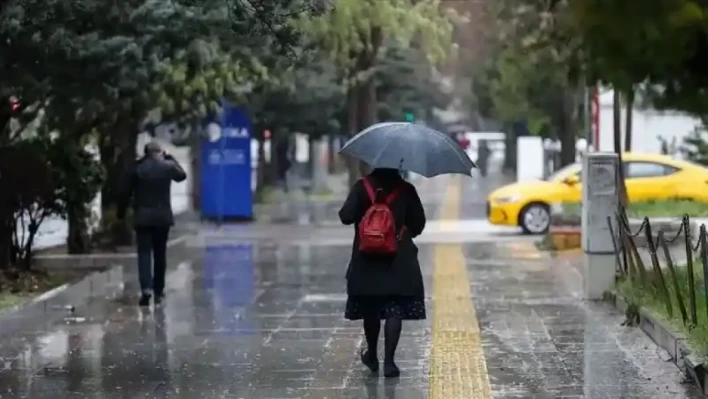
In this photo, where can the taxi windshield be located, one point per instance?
(562, 172)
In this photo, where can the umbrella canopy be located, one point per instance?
(410, 147)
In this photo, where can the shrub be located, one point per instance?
(27, 197)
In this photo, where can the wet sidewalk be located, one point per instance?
(258, 315)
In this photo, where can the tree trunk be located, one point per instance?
(261, 165)
(331, 137)
(78, 241)
(271, 170)
(195, 154)
(510, 142)
(120, 156)
(367, 113)
(5, 243)
(568, 126)
(362, 98)
(617, 134)
(628, 121)
(353, 127)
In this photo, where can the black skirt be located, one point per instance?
(384, 307)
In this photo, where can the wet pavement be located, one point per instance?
(256, 312)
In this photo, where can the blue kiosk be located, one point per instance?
(226, 167)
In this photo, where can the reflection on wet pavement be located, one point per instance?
(541, 341)
(262, 319)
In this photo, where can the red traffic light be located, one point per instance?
(14, 104)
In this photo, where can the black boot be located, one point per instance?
(392, 333)
(369, 361)
(145, 298)
(391, 370)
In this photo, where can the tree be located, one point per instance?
(695, 146)
(77, 174)
(25, 203)
(535, 74)
(405, 83)
(656, 46)
(352, 34)
(128, 46)
(304, 97)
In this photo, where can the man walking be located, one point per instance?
(149, 184)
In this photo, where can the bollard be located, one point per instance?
(600, 190)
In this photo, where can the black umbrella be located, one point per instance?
(409, 147)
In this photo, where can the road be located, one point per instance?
(256, 311)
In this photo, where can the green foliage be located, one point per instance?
(189, 88)
(695, 146)
(534, 69)
(668, 208)
(353, 29)
(649, 298)
(77, 173)
(405, 85)
(27, 195)
(662, 45)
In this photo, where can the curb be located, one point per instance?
(52, 305)
(95, 261)
(563, 238)
(675, 343)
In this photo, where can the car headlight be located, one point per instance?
(507, 199)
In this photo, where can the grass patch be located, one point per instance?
(675, 208)
(272, 195)
(322, 194)
(571, 208)
(8, 300)
(652, 209)
(267, 195)
(648, 297)
(17, 287)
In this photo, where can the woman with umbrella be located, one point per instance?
(384, 280)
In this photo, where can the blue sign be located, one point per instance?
(229, 275)
(226, 167)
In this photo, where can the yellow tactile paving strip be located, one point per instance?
(458, 369)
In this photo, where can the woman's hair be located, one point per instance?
(387, 174)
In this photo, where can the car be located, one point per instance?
(647, 177)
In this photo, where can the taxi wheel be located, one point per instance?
(535, 218)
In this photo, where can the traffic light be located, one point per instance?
(14, 104)
(410, 117)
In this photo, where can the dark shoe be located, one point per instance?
(391, 370)
(159, 299)
(144, 300)
(145, 296)
(371, 362)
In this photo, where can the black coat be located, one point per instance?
(378, 275)
(149, 184)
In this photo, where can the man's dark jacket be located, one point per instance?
(149, 184)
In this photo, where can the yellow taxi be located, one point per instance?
(647, 177)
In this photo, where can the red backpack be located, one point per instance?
(377, 229)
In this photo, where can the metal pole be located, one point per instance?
(221, 173)
(596, 117)
(588, 119)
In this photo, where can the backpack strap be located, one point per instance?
(371, 192)
(395, 193)
(369, 189)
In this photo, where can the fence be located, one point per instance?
(677, 288)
